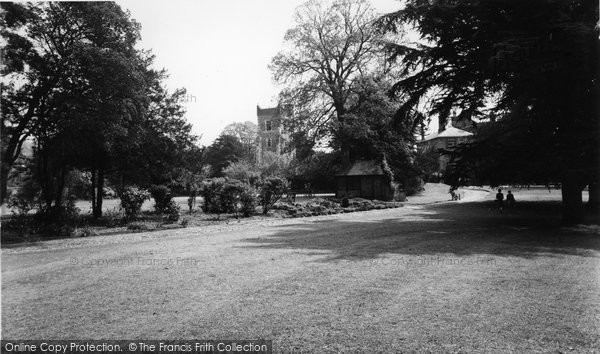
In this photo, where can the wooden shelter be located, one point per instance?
(364, 179)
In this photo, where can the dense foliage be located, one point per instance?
(331, 45)
(132, 199)
(162, 196)
(271, 190)
(528, 67)
(224, 195)
(225, 150)
(76, 86)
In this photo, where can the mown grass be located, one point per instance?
(448, 277)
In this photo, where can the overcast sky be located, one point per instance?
(219, 51)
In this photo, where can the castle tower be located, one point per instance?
(270, 131)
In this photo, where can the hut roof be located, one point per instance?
(363, 168)
(450, 132)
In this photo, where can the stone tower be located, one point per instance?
(270, 131)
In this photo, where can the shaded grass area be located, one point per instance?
(460, 229)
(442, 278)
(461, 277)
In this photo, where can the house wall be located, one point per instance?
(447, 143)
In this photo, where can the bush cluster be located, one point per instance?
(224, 195)
(320, 206)
(172, 210)
(132, 199)
(162, 196)
(271, 190)
(164, 203)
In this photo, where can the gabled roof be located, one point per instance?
(363, 168)
(450, 132)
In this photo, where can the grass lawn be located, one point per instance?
(450, 277)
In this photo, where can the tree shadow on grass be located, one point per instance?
(476, 228)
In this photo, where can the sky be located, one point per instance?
(219, 51)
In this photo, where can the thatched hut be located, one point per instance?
(364, 179)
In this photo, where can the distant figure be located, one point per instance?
(510, 200)
(309, 191)
(453, 194)
(500, 199)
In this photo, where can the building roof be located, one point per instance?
(363, 168)
(267, 111)
(450, 132)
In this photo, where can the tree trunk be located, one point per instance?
(45, 179)
(93, 189)
(97, 211)
(17, 134)
(4, 181)
(572, 201)
(60, 188)
(594, 194)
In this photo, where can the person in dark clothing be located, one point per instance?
(510, 200)
(500, 199)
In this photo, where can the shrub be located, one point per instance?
(238, 197)
(248, 201)
(136, 226)
(271, 190)
(162, 198)
(185, 222)
(84, 232)
(172, 210)
(58, 220)
(211, 191)
(230, 195)
(113, 217)
(413, 185)
(243, 171)
(132, 199)
(223, 195)
(20, 221)
(19, 205)
(345, 202)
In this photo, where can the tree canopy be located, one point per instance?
(530, 67)
(74, 81)
(331, 45)
(247, 133)
(225, 150)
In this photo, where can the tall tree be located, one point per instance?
(530, 66)
(247, 133)
(45, 44)
(370, 131)
(331, 45)
(222, 152)
(105, 110)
